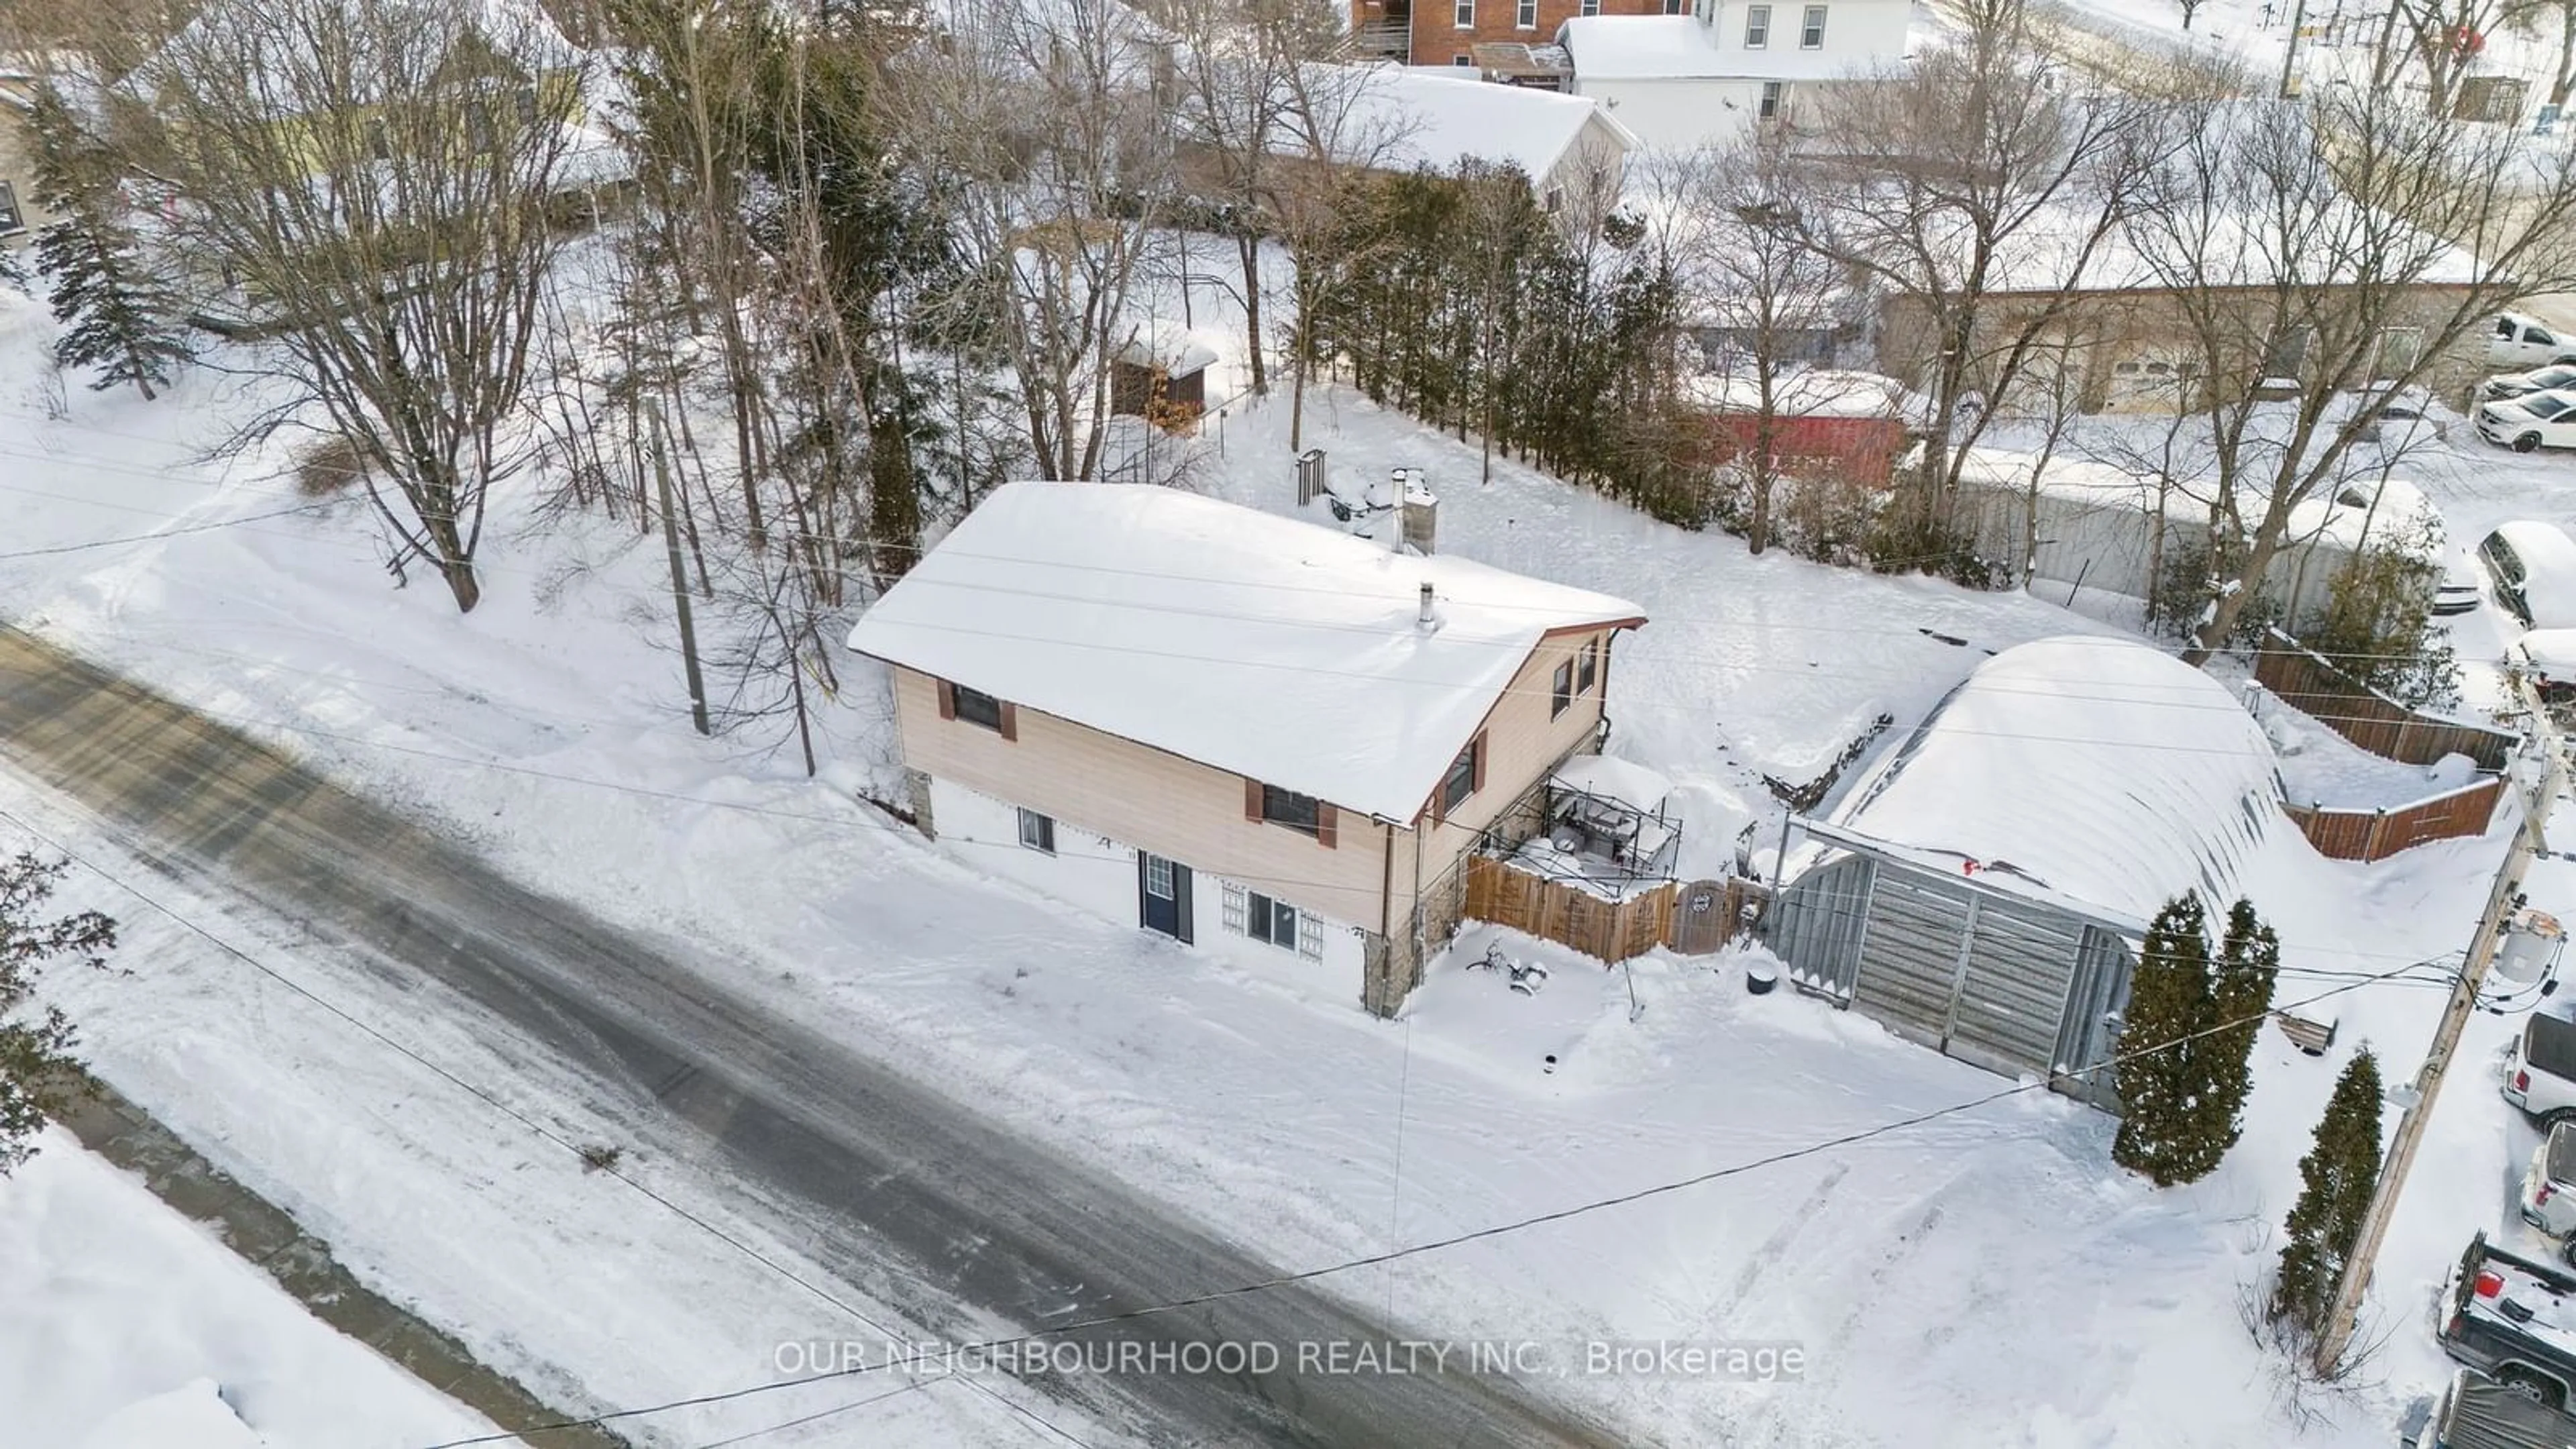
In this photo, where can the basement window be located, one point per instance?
(1037, 832)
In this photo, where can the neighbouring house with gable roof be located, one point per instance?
(1232, 728)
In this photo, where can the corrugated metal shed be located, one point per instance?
(1983, 889)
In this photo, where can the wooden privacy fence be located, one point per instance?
(2308, 683)
(1559, 911)
(2378, 834)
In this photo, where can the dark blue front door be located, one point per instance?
(1163, 890)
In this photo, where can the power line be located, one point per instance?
(747, 808)
(1406, 602)
(1497, 1230)
(803, 1420)
(210, 527)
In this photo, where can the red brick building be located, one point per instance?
(1439, 32)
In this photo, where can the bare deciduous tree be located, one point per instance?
(376, 178)
(2321, 260)
(1048, 115)
(1979, 173)
(1765, 293)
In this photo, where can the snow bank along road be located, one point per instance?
(936, 1212)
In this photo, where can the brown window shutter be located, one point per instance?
(1476, 781)
(1010, 721)
(947, 700)
(1326, 823)
(1252, 799)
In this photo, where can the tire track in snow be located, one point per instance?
(1775, 1247)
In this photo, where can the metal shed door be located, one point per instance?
(1909, 961)
(2012, 997)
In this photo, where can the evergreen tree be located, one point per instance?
(116, 317)
(2249, 962)
(2336, 1178)
(38, 1073)
(2161, 1089)
(13, 273)
(2189, 1042)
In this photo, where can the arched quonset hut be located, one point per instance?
(1984, 886)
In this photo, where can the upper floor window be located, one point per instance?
(1466, 14)
(1811, 36)
(976, 707)
(1591, 7)
(1757, 26)
(1591, 667)
(1270, 805)
(1466, 775)
(1287, 807)
(1526, 15)
(1560, 692)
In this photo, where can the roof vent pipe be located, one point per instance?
(1424, 616)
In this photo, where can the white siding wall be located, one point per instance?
(1087, 870)
(1097, 874)
(1675, 115)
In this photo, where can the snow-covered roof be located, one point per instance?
(1177, 357)
(2097, 772)
(1258, 644)
(1805, 392)
(1606, 777)
(1437, 121)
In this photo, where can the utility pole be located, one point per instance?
(2502, 902)
(679, 582)
(2290, 52)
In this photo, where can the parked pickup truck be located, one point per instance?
(2476, 1412)
(2512, 1319)
(2540, 1071)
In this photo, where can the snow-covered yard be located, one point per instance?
(1986, 1278)
(125, 1326)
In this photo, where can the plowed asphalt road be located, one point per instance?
(911, 1197)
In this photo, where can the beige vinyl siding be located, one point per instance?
(1142, 796)
(1522, 745)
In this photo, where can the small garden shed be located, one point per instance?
(1165, 385)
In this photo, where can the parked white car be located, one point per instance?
(2520, 341)
(2539, 379)
(2532, 567)
(2534, 420)
(2549, 1184)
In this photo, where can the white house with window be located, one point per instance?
(1235, 730)
(1707, 76)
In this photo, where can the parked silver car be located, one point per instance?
(2539, 379)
